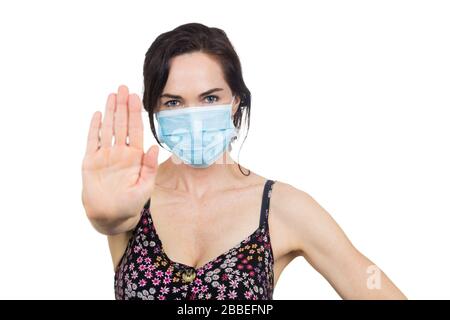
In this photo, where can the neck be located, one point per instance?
(199, 181)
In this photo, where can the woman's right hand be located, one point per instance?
(118, 178)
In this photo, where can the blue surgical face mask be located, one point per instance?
(197, 135)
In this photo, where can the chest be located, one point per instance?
(195, 231)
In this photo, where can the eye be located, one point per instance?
(212, 96)
(171, 103)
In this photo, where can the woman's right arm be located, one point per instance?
(118, 178)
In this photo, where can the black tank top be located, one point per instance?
(243, 272)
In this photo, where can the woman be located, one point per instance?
(197, 226)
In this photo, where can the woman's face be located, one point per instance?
(195, 79)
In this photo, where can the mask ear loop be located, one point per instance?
(232, 100)
(235, 136)
(239, 152)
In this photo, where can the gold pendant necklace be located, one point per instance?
(188, 275)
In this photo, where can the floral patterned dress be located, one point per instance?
(244, 272)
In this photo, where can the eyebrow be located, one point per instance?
(174, 96)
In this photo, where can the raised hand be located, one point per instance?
(118, 178)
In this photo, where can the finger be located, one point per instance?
(149, 168)
(107, 125)
(121, 116)
(93, 138)
(135, 126)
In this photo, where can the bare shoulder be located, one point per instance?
(300, 216)
(288, 196)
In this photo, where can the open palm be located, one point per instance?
(117, 178)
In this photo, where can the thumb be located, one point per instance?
(149, 168)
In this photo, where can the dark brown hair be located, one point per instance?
(188, 38)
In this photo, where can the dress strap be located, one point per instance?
(265, 204)
(147, 204)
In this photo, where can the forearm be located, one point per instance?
(113, 226)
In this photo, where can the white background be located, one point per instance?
(350, 104)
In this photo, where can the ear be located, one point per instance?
(236, 103)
